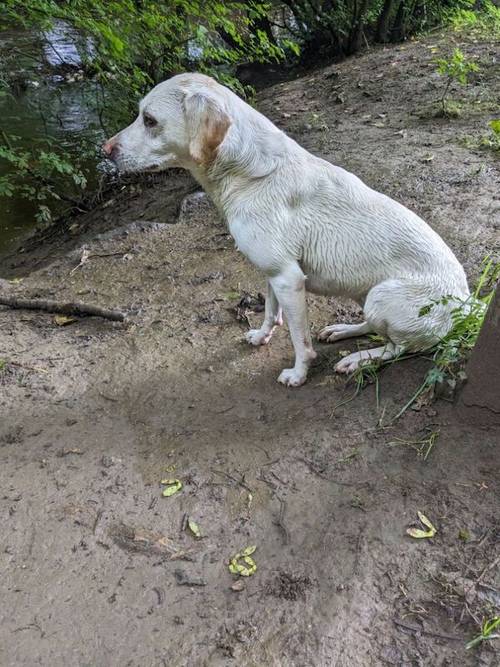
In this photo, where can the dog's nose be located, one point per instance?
(111, 148)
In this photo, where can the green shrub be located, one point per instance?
(457, 69)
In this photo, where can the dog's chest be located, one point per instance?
(256, 243)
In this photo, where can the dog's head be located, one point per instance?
(181, 123)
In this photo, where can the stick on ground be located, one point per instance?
(80, 309)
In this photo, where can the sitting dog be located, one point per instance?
(307, 224)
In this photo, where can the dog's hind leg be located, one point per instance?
(397, 310)
(336, 332)
(272, 317)
(356, 359)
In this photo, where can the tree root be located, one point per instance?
(80, 309)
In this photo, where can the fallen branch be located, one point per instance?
(80, 309)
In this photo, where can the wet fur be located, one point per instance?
(307, 224)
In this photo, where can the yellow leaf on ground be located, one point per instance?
(173, 485)
(64, 320)
(418, 532)
(250, 567)
(194, 528)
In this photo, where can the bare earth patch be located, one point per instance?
(99, 569)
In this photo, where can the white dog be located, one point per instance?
(307, 224)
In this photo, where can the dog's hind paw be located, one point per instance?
(349, 364)
(258, 337)
(291, 377)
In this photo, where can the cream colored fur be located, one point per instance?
(307, 224)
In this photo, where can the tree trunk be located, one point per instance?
(356, 33)
(479, 403)
(399, 28)
(383, 21)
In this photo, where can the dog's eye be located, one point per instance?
(149, 121)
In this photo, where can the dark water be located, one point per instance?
(48, 101)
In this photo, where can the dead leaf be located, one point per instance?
(231, 296)
(83, 259)
(238, 586)
(64, 320)
(418, 533)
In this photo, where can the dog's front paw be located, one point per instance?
(291, 377)
(332, 333)
(257, 337)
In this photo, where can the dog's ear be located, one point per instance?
(207, 125)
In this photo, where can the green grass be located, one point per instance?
(477, 24)
(487, 630)
(363, 376)
(489, 141)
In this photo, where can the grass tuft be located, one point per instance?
(487, 630)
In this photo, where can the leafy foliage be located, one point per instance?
(487, 632)
(467, 317)
(476, 22)
(127, 46)
(456, 68)
(342, 27)
(40, 175)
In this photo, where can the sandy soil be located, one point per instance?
(99, 569)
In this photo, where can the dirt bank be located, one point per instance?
(99, 569)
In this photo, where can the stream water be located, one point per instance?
(47, 101)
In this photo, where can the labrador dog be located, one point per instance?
(307, 224)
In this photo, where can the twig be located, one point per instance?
(28, 368)
(487, 568)
(272, 485)
(280, 522)
(321, 474)
(421, 631)
(233, 479)
(160, 593)
(80, 309)
(97, 519)
(480, 543)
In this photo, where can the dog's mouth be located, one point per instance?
(125, 166)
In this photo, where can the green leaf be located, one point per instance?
(173, 486)
(495, 125)
(418, 532)
(249, 551)
(194, 528)
(248, 568)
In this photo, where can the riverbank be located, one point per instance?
(99, 567)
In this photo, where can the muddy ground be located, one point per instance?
(98, 568)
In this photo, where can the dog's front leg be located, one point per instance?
(289, 288)
(272, 318)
